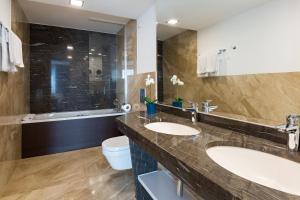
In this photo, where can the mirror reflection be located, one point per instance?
(238, 59)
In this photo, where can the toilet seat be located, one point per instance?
(117, 152)
(116, 144)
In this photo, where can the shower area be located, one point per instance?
(73, 70)
(75, 78)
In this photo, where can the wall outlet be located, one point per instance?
(142, 95)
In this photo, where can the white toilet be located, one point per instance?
(117, 152)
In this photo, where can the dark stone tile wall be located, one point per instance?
(160, 74)
(80, 78)
(142, 163)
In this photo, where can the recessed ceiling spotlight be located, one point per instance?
(92, 50)
(77, 3)
(172, 21)
(70, 47)
(99, 54)
(90, 53)
(69, 57)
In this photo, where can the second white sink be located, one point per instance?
(172, 128)
(263, 168)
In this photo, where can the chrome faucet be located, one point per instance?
(292, 128)
(207, 108)
(195, 110)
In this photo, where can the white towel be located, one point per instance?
(15, 50)
(222, 60)
(1, 44)
(5, 65)
(207, 64)
(202, 63)
(10, 47)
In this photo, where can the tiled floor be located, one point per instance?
(76, 175)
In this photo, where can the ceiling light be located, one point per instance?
(90, 53)
(172, 21)
(99, 54)
(92, 49)
(69, 57)
(77, 3)
(69, 47)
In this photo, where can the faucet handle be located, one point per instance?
(206, 107)
(206, 102)
(212, 108)
(292, 120)
(194, 105)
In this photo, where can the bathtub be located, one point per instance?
(49, 133)
(59, 116)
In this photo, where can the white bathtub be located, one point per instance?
(60, 116)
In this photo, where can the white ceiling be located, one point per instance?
(93, 16)
(122, 8)
(192, 14)
(197, 14)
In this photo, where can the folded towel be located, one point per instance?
(15, 50)
(222, 60)
(207, 64)
(10, 47)
(212, 65)
(202, 63)
(5, 65)
(1, 42)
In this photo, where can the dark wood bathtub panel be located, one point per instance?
(60, 136)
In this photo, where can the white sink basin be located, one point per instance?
(259, 167)
(172, 129)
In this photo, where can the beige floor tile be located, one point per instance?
(83, 174)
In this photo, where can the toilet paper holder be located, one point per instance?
(126, 107)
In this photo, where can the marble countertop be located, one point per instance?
(186, 157)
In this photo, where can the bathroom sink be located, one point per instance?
(172, 128)
(259, 167)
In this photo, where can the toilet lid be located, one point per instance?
(116, 144)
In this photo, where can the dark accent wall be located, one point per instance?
(59, 136)
(142, 163)
(160, 73)
(62, 79)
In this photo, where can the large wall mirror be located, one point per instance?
(242, 55)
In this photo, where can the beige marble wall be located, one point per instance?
(270, 97)
(131, 45)
(14, 101)
(128, 34)
(135, 83)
